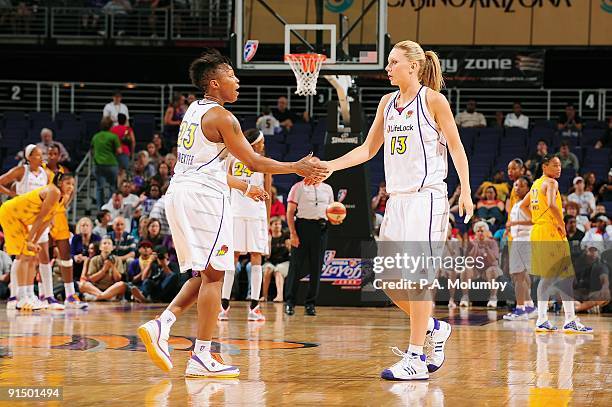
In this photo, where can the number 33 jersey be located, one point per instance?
(243, 207)
(415, 151)
(199, 159)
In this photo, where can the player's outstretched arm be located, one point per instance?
(371, 145)
(227, 127)
(439, 107)
(14, 174)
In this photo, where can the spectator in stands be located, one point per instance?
(162, 177)
(154, 157)
(267, 123)
(112, 109)
(145, 161)
(46, 141)
(283, 114)
(160, 145)
(484, 247)
(106, 147)
(124, 243)
(171, 161)
(568, 159)
(103, 227)
(379, 202)
(126, 192)
(582, 222)
(470, 117)
(605, 191)
(162, 285)
(501, 186)
(83, 236)
(534, 163)
(174, 116)
(154, 234)
(277, 208)
(598, 232)
(498, 120)
(105, 272)
(126, 137)
(491, 209)
(592, 283)
(278, 261)
(148, 199)
(569, 123)
(584, 199)
(117, 207)
(574, 235)
(93, 9)
(590, 182)
(191, 98)
(139, 269)
(517, 118)
(606, 140)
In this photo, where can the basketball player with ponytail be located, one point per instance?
(416, 128)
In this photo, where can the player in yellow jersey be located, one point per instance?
(61, 235)
(24, 219)
(550, 253)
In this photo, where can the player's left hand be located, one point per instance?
(465, 204)
(33, 247)
(317, 181)
(257, 194)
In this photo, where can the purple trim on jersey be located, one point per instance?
(403, 108)
(218, 232)
(434, 129)
(430, 221)
(390, 106)
(217, 156)
(422, 142)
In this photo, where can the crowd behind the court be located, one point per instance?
(129, 236)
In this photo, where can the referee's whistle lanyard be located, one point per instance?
(316, 198)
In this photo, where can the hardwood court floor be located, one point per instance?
(333, 359)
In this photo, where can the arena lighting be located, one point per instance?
(81, 85)
(130, 85)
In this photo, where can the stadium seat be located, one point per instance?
(65, 117)
(595, 124)
(91, 116)
(589, 137)
(16, 115)
(515, 133)
(40, 117)
(550, 124)
(597, 156)
(608, 205)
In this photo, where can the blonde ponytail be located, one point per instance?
(431, 72)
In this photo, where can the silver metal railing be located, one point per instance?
(83, 182)
(23, 22)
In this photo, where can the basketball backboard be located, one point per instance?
(349, 33)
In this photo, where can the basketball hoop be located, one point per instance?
(306, 68)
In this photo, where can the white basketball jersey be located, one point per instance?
(519, 231)
(243, 207)
(30, 181)
(199, 159)
(415, 152)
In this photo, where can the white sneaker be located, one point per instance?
(255, 314)
(532, 312)
(465, 301)
(452, 304)
(576, 327)
(75, 303)
(53, 304)
(29, 304)
(492, 303)
(434, 345)
(156, 343)
(206, 364)
(224, 314)
(517, 315)
(411, 367)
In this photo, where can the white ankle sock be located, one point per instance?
(228, 283)
(570, 312)
(542, 311)
(30, 292)
(415, 349)
(22, 292)
(529, 304)
(256, 278)
(202, 346)
(69, 289)
(45, 287)
(167, 319)
(13, 285)
(521, 307)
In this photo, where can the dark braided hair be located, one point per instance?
(59, 177)
(203, 69)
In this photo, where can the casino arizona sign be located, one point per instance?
(509, 6)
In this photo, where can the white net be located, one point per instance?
(306, 68)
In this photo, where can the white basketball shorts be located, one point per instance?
(44, 237)
(201, 223)
(417, 223)
(520, 255)
(250, 235)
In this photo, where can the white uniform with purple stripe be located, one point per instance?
(197, 202)
(520, 246)
(415, 168)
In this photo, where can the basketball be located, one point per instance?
(336, 212)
